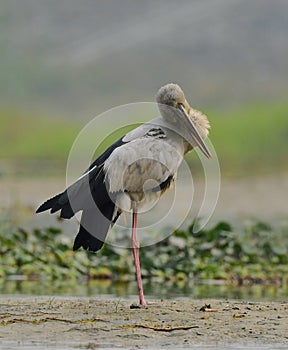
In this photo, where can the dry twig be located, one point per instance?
(165, 329)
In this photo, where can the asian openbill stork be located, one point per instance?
(120, 178)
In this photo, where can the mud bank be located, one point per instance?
(92, 323)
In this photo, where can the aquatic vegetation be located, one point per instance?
(255, 253)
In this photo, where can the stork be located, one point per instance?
(132, 173)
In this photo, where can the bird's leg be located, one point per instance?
(135, 250)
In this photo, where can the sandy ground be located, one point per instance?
(92, 323)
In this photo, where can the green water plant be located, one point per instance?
(254, 253)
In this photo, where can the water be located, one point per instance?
(153, 290)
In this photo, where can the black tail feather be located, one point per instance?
(70, 201)
(51, 203)
(87, 241)
(97, 205)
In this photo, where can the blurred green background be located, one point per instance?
(64, 62)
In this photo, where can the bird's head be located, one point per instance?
(175, 109)
(172, 95)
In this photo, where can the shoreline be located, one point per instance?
(73, 322)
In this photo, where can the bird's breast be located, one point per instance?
(141, 165)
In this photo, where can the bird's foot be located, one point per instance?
(138, 306)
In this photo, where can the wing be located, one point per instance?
(78, 190)
(98, 209)
(61, 200)
(89, 194)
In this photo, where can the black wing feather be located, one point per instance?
(89, 194)
(96, 217)
(105, 155)
(164, 185)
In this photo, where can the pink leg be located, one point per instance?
(135, 250)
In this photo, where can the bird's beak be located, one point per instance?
(193, 136)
